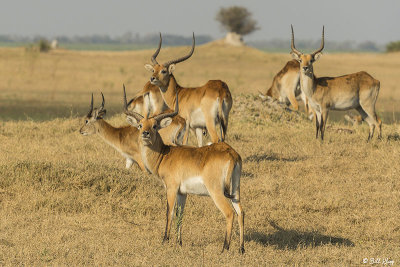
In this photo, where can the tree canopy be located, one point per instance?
(237, 19)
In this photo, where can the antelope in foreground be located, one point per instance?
(212, 170)
(123, 139)
(202, 107)
(286, 86)
(357, 90)
(171, 135)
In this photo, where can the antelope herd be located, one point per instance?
(157, 136)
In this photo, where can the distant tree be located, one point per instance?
(236, 19)
(393, 46)
(44, 45)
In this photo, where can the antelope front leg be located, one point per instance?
(171, 196)
(317, 122)
(186, 135)
(180, 206)
(199, 135)
(293, 102)
(323, 123)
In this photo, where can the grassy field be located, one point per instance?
(67, 199)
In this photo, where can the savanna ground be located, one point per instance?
(67, 199)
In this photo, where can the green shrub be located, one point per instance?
(44, 45)
(393, 46)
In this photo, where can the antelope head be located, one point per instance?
(306, 60)
(93, 115)
(162, 72)
(148, 127)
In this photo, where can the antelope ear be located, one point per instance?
(132, 121)
(101, 113)
(317, 55)
(165, 122)
(295, 56)
(149, 67)
(171, 68)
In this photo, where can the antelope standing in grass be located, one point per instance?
(357, 90)
(171, 135)
(123, 139)
(285, 86)
(202, 107)
(212, 170)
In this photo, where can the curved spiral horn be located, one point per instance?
(102, 104)
(154, 56)
(91, 107)
(322, 43)
(294, 50)
(178, 60)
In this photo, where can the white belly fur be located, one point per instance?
(193, 185)
(197, 119)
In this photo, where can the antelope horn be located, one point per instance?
(102, 104)
(294, 50)
(91, 107)
(166, 115)
(153, 58)
(175, 61)
(322, 43)
(136, 115)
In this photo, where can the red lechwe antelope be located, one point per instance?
(357, 90)
(123, 139)
(212, 170)
(171, 135)
(285, 86)
(202, 107)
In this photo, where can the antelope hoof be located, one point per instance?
(225, 247)
(241, 250)
(165, 239)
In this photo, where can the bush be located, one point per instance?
(393, 46)
(237, 19)
(44, 45)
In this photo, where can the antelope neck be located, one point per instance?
(108, 133)
(307, 82)
(153, 154)
(169, 95)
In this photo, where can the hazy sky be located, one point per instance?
(358, 20)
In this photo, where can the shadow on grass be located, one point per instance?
(272, 157)
(292, 239)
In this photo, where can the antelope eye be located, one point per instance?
(139, 126)
(86, 121)
(163, 71)
(155, 127)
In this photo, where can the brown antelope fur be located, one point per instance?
(285, 86)
(171, 135)
(123, 139)
(212, 170)
(357, 90)
(202, 107)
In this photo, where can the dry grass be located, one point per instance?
(66, 199)
(46, 86)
